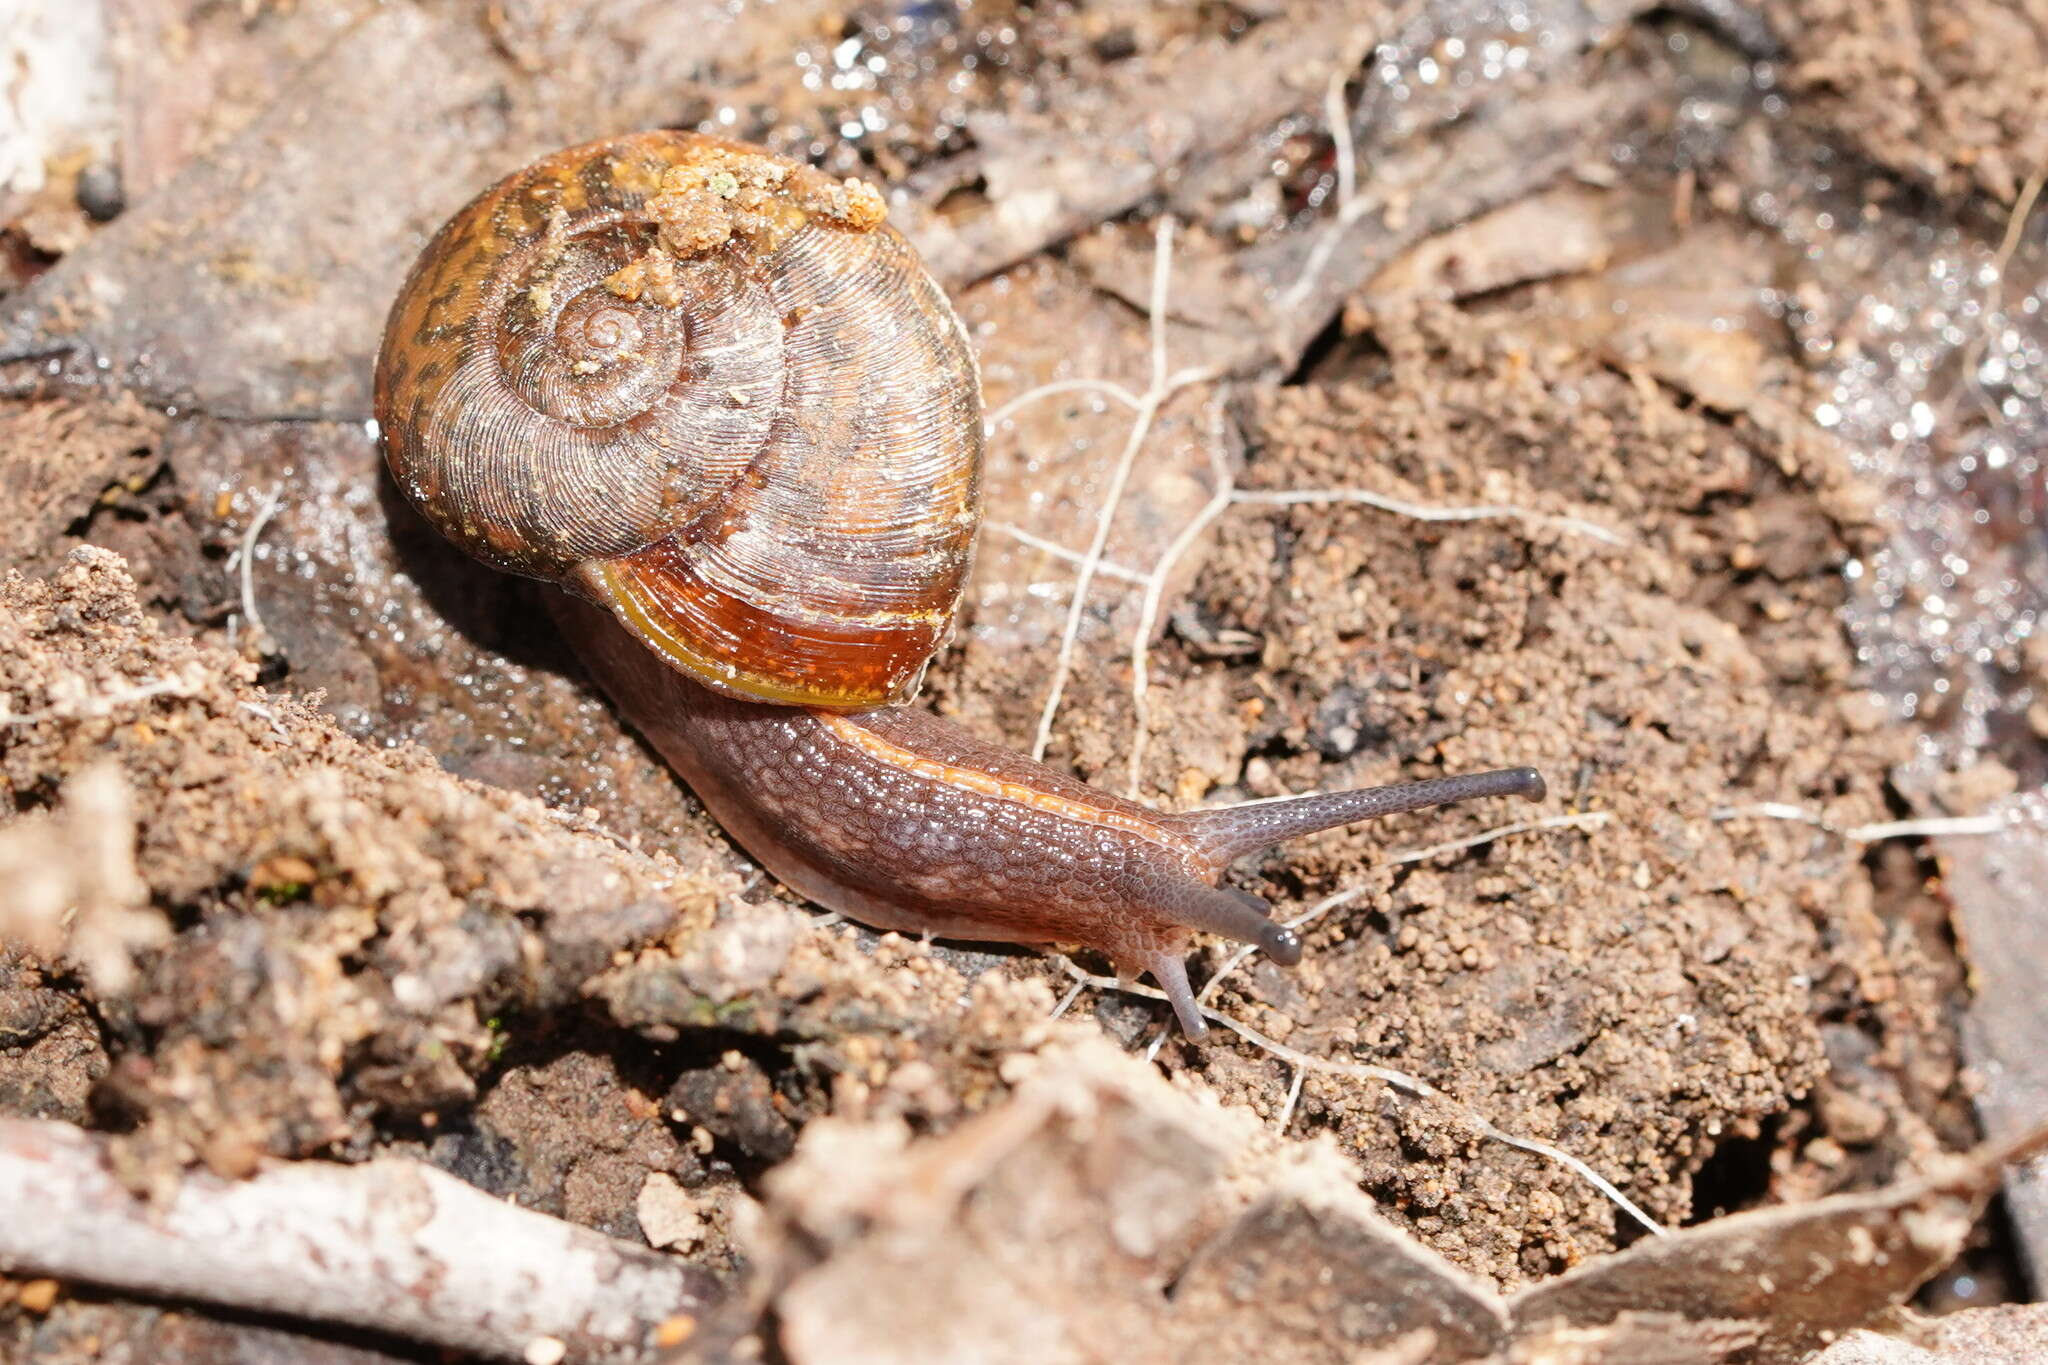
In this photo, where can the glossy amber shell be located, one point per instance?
(708, 388)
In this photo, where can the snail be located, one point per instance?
(712, 395)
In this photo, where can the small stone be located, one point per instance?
(652, 275)
(2034, 654)
(100, 192)
(693, 222)
(38, 1296)
(1863, 712)
(1851, 1119)
(545, 1351)
(1826, 1153)
(668, 1215)
(1259, 779)
(1976, 787)
(864, 206)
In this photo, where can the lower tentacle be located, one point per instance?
(1170, 970)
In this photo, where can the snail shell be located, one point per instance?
(709, 389)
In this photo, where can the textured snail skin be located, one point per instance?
(904, 821)
(710, 394)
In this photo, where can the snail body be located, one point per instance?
(714, 397)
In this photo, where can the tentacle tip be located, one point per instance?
(1280, 943)
(1529, 784)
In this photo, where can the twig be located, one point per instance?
(1107, 568)
(1058, 386)
(1994, 301)
(1423, 512)
(1350, 207)
(1588, 819)
(1293, 1098)
(276, 727)
(1148, 612)
(1338, 115)
(1319, 255)
(2022, 209)
(1399, 1080)
(78, 704)
(259, 637)
(1931, 827)
(585, 821)
(1163, 386)
(394, 1246)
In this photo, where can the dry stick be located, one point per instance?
(1180, 379)
(1994, 302)
(1399, 1080)
(1423, 512)
(1058, 386)
(1148, 613)
(1067, 1001)
(258, 636)
(1869, 834)
(1107, 568)
(394, 1246)
(277, 729)
(2022, 208)
(1147, 405)
(1163, 386)
(1585, 819)
(1350, 208)
(93, 705)
(1338, 113)
(1293, 1098)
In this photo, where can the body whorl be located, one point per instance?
(708, 388)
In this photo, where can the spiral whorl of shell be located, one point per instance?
(709, 388)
